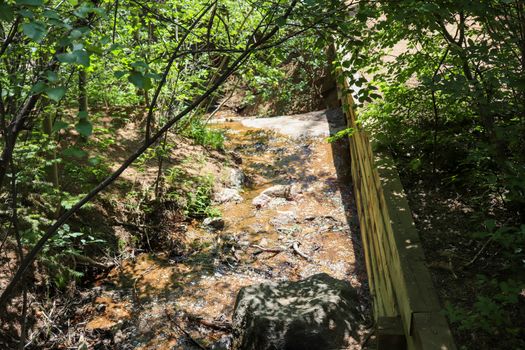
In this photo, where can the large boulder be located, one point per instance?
(317, 313)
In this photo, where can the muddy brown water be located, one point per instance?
(168, 301)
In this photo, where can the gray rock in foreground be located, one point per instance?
(227, 195)
(317, 313)
(214, 223)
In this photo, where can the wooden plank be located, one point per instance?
(431, 332)
(390, 334)
(414, 287)
(382, 289)
(400, 281)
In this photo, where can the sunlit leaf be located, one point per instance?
(59, 125)
(74, 152)
(34, 30)
(30, 2)
(56, 93)
(84, 128)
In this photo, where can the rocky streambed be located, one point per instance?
(287, 215)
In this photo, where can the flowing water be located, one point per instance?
(172, 300)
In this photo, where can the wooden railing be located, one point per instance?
(406, 307)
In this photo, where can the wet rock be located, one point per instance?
(261, 200)
(119, 337)
(214, 223)
(275, 195)
(319, 312)
(227, 195)
(236, 157)
(276, 191)
(283, 218)
(236, 178)
(225, 343)
(289, 192)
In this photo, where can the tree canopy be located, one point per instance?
(441, 86)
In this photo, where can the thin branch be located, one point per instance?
(115, 20)
(10, 36)
(31, 256)
(149, 118)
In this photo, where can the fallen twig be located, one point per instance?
(86, 260)
(186, 334)
(295, 246)
(267, 250)
(220, 326)
(134, 290)
(478, 253)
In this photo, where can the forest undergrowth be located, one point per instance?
(103, 123)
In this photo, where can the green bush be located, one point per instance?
(203, 135)
(192, 193)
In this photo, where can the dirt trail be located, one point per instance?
(304, 226)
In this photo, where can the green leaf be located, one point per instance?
(155, 76)
(119, 74)
(52, 15)
(39, 87)
(67, 57)
(74, 152)
(6, 12)
(75, 34)
(84, 127)
(56, 94)
(79, 57)
(70, 201)
(30, 2)
(34, 30)
(94, 49)
(139, 80)
(76, 234)
(94, 161)
(27, 14)
(59, 125)
(82, 115)
(140, 64)
(82, 57)
(51, 76)
(73, 2)
(281, 21)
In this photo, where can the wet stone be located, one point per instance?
(261, 200)
(227, 195)
(283, 218)
(281, 191)
(225, 343)
(214, 223)
(236, 178)
(319, 312)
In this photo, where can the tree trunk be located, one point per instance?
(82, 93)
(51, 170)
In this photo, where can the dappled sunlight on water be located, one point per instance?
(288, 239)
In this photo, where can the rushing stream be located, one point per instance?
(304, 226)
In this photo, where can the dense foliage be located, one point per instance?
(446, 82)
(82, 81)
(88, 87)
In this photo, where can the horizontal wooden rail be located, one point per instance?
(405, 303)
